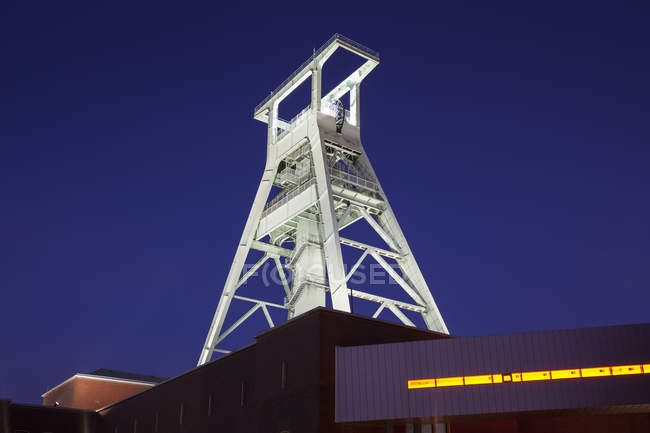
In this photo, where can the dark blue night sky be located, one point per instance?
(511, 139)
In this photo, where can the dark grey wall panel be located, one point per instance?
(371, 381)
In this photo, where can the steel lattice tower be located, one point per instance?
(327, 183)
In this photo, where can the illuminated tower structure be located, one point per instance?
(326, 183)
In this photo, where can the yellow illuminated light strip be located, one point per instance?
(450, 381)
(425, 383)
(594, 372)
(478, 380)
(565, 374)
(627, 369)
(530, 376)
(535, 375)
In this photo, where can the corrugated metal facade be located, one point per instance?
(371, 381)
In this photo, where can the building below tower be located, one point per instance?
(328, 371)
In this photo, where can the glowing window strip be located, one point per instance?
(530, 376)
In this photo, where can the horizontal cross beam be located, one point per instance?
(271, 249)
(362, 246)
(382, 300)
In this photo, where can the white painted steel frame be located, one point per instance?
(329, 198)
(247, 238)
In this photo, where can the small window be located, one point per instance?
(180, 415)
(210, 404)
(135, 425)
(284, 375)
(155, 423)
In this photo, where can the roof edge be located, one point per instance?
(95, 377)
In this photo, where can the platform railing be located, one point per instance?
(282, 198)
(307, 180)
(297, 119)
(367, 51)
(354, 179)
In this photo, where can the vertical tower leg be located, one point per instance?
(309, 268)
(329, 226)
(355, 109)
(238, 263)
(408, 265)
(243, 247)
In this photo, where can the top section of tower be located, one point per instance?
(312, 66)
